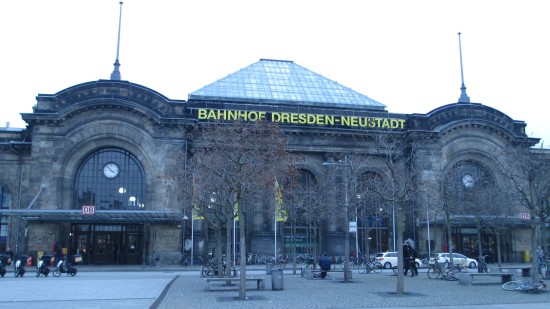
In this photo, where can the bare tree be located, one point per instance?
(445, 194)
(238, 161)
(397, 156)
(527, 171)
(302, 194)
(343, 189)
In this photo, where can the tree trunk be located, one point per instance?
(400, 288)
(293, 244)
(534, 260)
(449, 240)
(228, 246)
(218, 250)
(242, 252)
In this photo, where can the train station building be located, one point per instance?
(87, 170)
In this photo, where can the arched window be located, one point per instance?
(111, 179)
(4, 204)
(305, 198)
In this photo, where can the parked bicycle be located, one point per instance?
(371, 266)
(445, 271)
(450, 273)
(524, 286)
(308, 265)
(152, 261)
(436, 270)
(280, 262)
(211, 270)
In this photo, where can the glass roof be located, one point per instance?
(279, 81)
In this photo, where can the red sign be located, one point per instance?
(88, 210)
(525, 216)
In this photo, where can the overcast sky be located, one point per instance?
(404, 54)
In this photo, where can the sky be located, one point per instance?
(404, 54)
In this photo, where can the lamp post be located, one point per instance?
(184, 218)
(346, 205)
(357, 227)
(393, 225)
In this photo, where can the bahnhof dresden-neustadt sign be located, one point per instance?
(301, 118)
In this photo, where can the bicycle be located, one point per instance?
(444, 271)
(279, 262)
(524, 286)
(371, 265)
(436, 271)
(308, 265)
(211, 269)
(152, 261)
(450, 273)
(181, 260)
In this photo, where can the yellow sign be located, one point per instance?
(196, 215)
(302, 118)
(280, 213)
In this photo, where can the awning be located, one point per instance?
(99, 216)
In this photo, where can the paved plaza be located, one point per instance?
(173, 287)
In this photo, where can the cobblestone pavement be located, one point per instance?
(364, 291)
(175, 287)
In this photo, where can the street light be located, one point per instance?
(393, 224)
(357, 226)
(183, 220)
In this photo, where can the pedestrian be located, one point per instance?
(412, 261)
(55, 246)
(9, 254)
(540, 255)
(325, 263)
(406, 256)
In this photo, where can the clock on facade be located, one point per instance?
(468, 181)
(110, 170)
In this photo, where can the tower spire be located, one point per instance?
(116, 73)
(463, 96)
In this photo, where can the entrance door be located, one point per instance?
(108, 244)
(131, 248)
(107, 247)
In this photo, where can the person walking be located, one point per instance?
(406, 256)
(325, 263)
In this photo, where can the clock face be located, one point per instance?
(110, 170)
(468, 181)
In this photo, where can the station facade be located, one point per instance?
(88, 169)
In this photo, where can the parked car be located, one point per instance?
(389, 259)
(457, 259)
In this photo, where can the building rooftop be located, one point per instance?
(283, 82)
